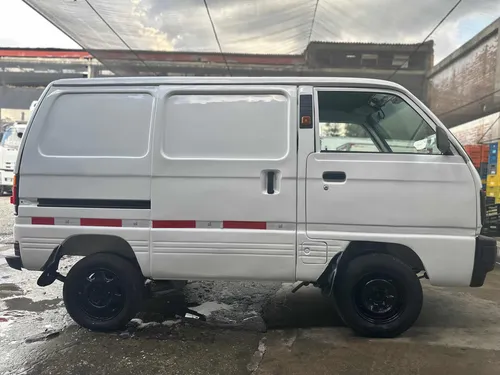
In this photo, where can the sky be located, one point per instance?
(251, 26)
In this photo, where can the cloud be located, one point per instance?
(264, 26)
(283, 26)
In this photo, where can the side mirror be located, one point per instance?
(20, 135)
(443, 143)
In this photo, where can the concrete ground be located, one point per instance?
(457, 333)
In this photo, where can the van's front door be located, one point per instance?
(224, 183)
(376, 175)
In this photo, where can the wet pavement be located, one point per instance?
(251, 328)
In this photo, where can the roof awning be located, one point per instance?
(281, 27)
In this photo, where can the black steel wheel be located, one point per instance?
(377, 295)
(379, 298)
(103, 291)
(100, 294)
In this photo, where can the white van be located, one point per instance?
(226, 178)
(9, 147)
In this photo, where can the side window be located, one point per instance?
(372, 122)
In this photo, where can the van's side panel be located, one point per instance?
(213, 217)
(86, 168)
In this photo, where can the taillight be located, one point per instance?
(13, 197)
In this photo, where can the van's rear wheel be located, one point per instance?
(103, 291)
(378, 295)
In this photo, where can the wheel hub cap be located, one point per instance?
(378, 299)
(101, 295)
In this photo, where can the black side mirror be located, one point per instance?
(443, 143)
(20, 135)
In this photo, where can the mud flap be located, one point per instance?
(50, 274)
(332, 273)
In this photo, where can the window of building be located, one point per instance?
(372, 122)
(369, 59)
(223, 126)
(401, 61)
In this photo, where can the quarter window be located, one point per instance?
(372, 122)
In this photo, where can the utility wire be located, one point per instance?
(119, 37)
(426, 38)
(310, 33)
(469, 103)
(312, 23)
(217, 37)
(71, 35)
(486, 132)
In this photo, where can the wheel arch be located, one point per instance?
(357, 248)
(88, 244)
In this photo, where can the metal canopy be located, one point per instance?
(250, 26)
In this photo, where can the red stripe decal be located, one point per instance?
(42, 220)
(244, 225)
(174, 224)
(101, 222)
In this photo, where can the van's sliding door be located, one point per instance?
(224, 183)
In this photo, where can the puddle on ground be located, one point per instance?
(9, 290)
(235, 307)
(26, 304)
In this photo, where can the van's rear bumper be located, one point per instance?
(484, 259)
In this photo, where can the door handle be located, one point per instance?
(270, 182)
(334, 176)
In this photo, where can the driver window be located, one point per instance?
(372, 122)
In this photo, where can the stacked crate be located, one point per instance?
(480, 156)
(493, 179)
(491, 223)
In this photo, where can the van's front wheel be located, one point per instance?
(378, 295)
(103, 291)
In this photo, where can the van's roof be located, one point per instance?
(306, 81)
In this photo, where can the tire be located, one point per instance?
(378, 295)
(103, 291)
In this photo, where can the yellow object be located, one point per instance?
(493, 180)
(493, 191)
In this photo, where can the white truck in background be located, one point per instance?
(10, 141)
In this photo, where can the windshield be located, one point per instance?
(10, 138)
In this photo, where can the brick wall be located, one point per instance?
(471, 75)
(483, 130)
